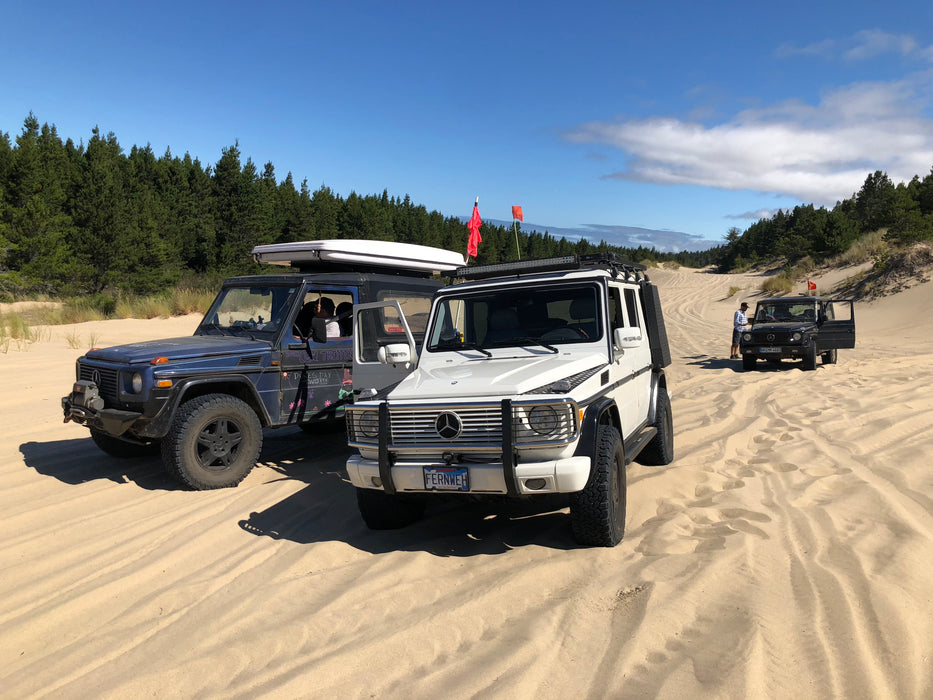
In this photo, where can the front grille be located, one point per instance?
(412, 428)
(771, 338)
(106, 381)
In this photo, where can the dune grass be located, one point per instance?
(18, 329)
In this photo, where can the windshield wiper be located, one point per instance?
(212, 327)
(525, 340)
(460, 345)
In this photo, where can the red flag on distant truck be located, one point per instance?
(475, 239)
(811, 286)
(517, 214)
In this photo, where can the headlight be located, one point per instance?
(367, 422)
(543, 419)
(746, 337)
(136, 383)
(796, 337)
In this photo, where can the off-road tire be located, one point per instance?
(809, 357)
(660, 450)
(749, 361)
(213, 443)
(829, 357)
(383, 511)
(115, 447)
(597, 513)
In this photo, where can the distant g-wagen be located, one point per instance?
(799, 328)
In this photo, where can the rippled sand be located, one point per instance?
(785, 553)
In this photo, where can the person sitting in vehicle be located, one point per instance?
(326, 310)
(344, 316)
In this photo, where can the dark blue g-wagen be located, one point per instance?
(258, 359)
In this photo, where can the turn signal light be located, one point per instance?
(158, 361)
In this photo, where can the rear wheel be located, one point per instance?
(383, 511)
(660, 450)
(213, 443)
(597, 513)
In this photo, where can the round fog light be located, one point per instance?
(535, 484)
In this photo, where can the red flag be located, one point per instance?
(811, 286)
(475, 239)
(517, 213)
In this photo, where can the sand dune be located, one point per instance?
(785, 553)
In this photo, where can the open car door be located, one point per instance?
(837, 329)
(384, 348)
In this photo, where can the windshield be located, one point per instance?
(786, 312)
(255, 309)
(541, 317)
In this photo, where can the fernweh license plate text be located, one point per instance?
(446, 479)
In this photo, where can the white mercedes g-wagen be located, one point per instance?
(535, 377)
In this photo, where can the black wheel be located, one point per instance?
(809, 357)
(382, 511)
(213, 443)
(115, 447)
(597, 513)
(829, 357)
(660, 450)
(749, 361)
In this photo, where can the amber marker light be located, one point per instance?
(164, 383)
(158, 361)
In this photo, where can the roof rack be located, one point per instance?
(607, 261)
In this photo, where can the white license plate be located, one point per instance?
(765, 351)
(446, 479)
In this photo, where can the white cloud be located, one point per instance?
(861, 46)
(815, 153)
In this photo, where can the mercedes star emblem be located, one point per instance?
(448, 425)
(95, 377)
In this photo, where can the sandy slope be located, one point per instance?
(785, 553)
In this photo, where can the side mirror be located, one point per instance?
(394, 354)
(627, 337)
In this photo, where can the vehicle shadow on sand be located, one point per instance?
(451, 527)
(79, 461)
(325, 510)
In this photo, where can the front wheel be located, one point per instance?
(213, 443)
(809, 357)
(829, 357)
(749, 361)
(597, 513)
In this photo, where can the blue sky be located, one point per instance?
(673, 116)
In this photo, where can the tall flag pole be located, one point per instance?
(516, 217)
(475, 239)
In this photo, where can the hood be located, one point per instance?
(490, 376)
(188, 347)
(784, 327)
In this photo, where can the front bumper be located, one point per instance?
(85, 406)
(567, 475)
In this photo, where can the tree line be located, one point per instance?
(904, 210)
(82, 218)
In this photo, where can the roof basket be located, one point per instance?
(607, 261)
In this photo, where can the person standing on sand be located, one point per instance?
(739, 323)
